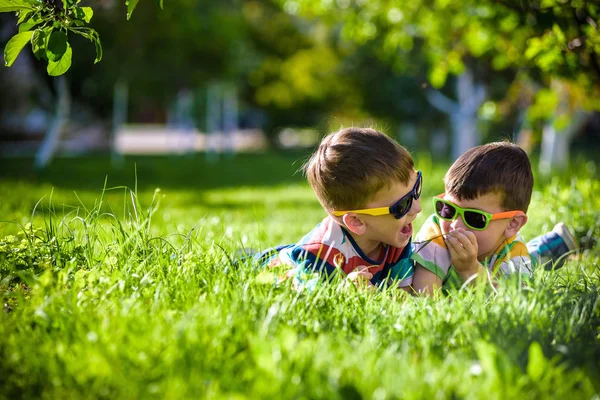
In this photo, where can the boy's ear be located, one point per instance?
(515, 225)
(354, 223)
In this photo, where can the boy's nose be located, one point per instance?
(458, 223)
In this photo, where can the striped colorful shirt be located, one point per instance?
(430, 251)
(329, 247)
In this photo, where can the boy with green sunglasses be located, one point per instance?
(474, 232)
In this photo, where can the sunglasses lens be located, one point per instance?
(475, 220)
(403, 207)
(446, 211)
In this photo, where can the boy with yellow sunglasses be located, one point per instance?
(367, 184)
(474, 231)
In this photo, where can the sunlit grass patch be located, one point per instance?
(140, 294)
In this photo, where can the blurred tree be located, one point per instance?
(544, 39)
(314, 62)
(296, 72)
(298, 81)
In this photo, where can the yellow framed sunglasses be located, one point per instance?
(399, 209)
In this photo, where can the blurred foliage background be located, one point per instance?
(440, 76)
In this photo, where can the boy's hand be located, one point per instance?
(361, 277)
(463, 248)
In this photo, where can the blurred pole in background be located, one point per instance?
(182, 135)
(213, 112)
(120, 98)
(55, 130)
(230, 118)
(221, 119)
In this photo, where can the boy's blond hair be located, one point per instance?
(498, 167)
(353, 164)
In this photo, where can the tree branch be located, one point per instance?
(441, 102)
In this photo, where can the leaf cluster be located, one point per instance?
(46, 25)
(545, 39)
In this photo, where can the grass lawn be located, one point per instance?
(118, 283)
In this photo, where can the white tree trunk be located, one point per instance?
(55, 130)
(555, 144)
(463, 112)
(465, 135)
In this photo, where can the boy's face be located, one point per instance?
(489, 239)
(386, 228)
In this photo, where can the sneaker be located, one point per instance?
(551, 249)
(566, 235)
(561, 251)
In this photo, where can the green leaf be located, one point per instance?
(87, 33)
(59, 67)
(559, 34)
(23, 15)
(84, 13)
(57, 45)
(14, 47)
(487, 355)
(15, 5)
(98, 48)
(131, 4)
(30, 23)
(438, 75)
(535, 45)
(478, 39)
(38, 43)
(562, 122)
(93, 36)
(547, 3)
(537, 362)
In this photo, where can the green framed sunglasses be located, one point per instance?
(473, 218)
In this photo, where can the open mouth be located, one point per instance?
(407, 230)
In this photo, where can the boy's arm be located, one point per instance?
(431, 257)
(425, 281)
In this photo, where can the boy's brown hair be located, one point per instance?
(498, 167)
(351, 165)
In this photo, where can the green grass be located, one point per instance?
(130, 293)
